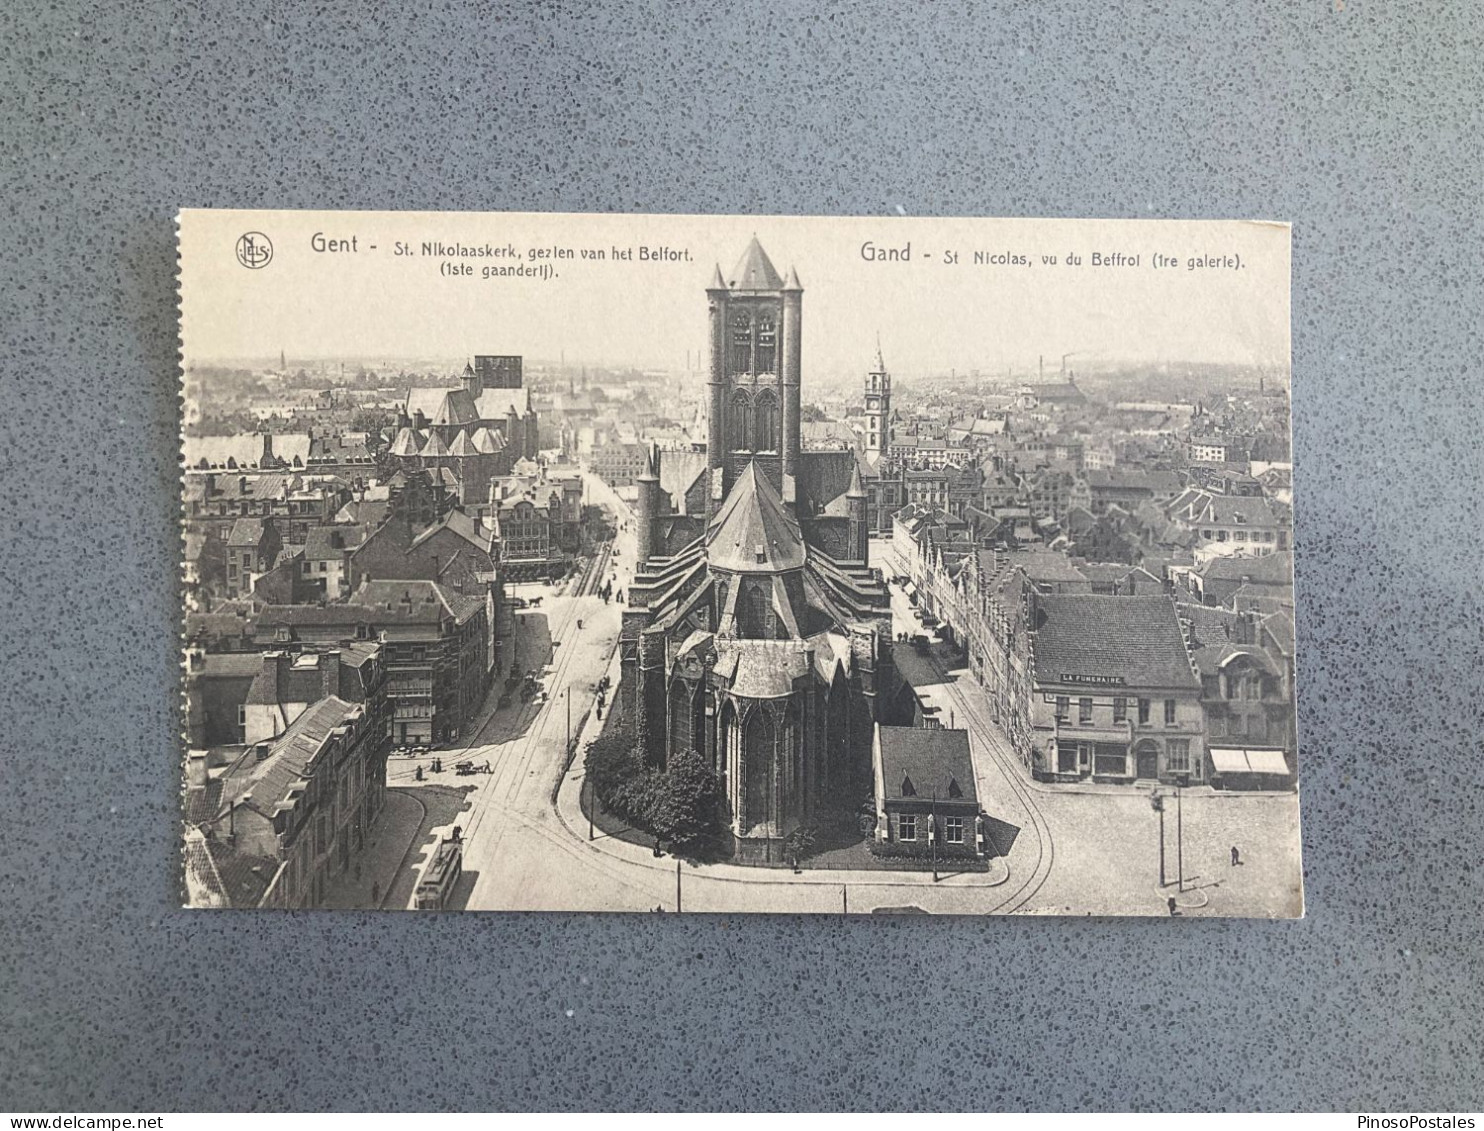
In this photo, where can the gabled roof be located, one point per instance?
(935, 761)
(246, 532)
(266, 786)
(442, 405)
(753, 533)
(1137, 638)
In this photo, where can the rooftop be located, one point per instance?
(1136, 639)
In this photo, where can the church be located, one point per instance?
(757, 632)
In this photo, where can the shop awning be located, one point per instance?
(1267, 761)
(1235, 760)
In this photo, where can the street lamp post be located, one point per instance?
(1158, 804)
(1157, 800)
(677, 887)
(1179, 839)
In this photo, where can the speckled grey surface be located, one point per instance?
(1361, 125)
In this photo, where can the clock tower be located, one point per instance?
(878, 408)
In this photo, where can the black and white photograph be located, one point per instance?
(733, 564)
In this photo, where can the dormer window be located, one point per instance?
(954, 789)
(908, 789)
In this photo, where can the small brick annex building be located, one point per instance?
(757, 633)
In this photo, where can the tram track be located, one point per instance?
(988, 732)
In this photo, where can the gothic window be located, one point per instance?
(741, 422)
(759, 613)
(761, 771)
(741, 343)
(765, 424)
(681, 737)
(767, 345)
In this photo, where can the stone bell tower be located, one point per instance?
(753, 411)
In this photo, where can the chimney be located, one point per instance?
(274, 664)
(260, 751)
(210, 486)
(267, 449)
(329, 669)
(196, 766)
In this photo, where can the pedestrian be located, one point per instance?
(376, 893)
(1236, 856)
(1171, 902)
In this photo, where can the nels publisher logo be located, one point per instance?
(254, 250)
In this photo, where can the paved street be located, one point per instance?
(1066, 850)
(1096, 849)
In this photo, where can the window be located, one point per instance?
(1143, 711)
(953, 830)
(1178, 755)
(1221, 536)
(1252, 686)
(767, 345)
(1084, 710)
(1063, 705)
(741, 344)
(1120, 710)
(1241, 536)
(907, 826)
(1169, 712)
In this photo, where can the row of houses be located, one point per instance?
(1111, 672)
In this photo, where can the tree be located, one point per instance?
(685, 800)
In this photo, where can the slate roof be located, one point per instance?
(1045, 566)
(755, 271)
(442, 405)
(244, 449)
(1138, 638)
(462, 445)
(765, 669)
(246, 532)
(266, 786)
(1270, 569)
(753, 519)
(406, 443)
(319, 541)
(497, 404)
(936, 762)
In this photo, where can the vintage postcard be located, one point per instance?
(731, 564)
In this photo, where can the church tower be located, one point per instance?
(878, 408)
(753, 409)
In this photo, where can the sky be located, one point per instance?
(932, 314)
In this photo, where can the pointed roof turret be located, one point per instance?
(435, 448)
(793, 283)
(487, 441)
(649, 474)
(880, 361)
(755, 271)
(753, 533)
(462, 445)
(717, 282)
(856, 490)
(406, 443)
